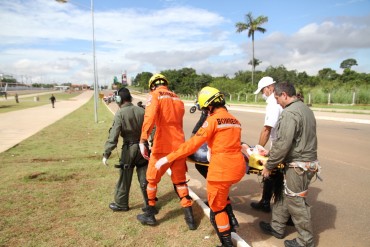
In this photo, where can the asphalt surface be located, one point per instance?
(340, 204)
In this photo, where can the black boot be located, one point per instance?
(291, 243)
(117, 208)
(267, 228)
(148, 218)
(146, 208)
(232, 219)
(212, 218)
(262, 205)
(145, 197)
(226, 239)
(189, 218)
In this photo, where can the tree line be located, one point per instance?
(341, 86)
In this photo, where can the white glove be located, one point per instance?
(161, 162)
(144, 151)
(105, 161)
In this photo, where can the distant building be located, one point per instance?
(61, 88)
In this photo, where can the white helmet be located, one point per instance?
(264, 82)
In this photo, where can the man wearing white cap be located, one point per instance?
(273, 110)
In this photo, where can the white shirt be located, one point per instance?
(273, 110)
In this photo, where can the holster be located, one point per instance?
(124, 166)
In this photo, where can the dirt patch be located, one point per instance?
(35, 175)
(38, 160)
(45, 177)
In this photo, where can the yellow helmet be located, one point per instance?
(157, 79)
(208, 95)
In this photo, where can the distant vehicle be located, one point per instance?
(195, 107)
(109, 98)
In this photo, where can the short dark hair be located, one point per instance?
(286, 87)
(125, 95)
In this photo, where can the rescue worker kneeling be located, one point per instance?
(222, 132)
(165, 110)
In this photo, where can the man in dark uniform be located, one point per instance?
(296, 148)
(52, 99)
(128, 121)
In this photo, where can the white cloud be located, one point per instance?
(44, 39)
(317, 45)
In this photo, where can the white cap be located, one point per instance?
(264, 82)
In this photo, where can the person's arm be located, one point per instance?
(265, 135)
(194, 143)
(281, 146)
(114, 133)
(189, 147)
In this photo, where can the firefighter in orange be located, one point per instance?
(222, 132)
(165, 110)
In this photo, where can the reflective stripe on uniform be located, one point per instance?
(228, 126)
(151, 188)
(227, 226)
(181, 187)
(168, 97)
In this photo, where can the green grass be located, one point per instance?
(54, 191)
(27, 102)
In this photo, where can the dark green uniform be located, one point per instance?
(127, 123)
(296, 143)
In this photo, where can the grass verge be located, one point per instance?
(54, 191)
(27, 102)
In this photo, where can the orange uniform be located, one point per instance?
(222, 132)
(165, 110)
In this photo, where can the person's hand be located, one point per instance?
(144, 151)
(105, 161)
(161, 162)
(266, 172)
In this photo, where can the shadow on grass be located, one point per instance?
(6, 106)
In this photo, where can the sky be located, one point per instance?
(44, 41)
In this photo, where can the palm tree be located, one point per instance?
(252, 25)
(255, 62)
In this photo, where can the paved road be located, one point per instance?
(16, 126)
(339, 204)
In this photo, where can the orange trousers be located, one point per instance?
(178, 177)
(217, 194)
